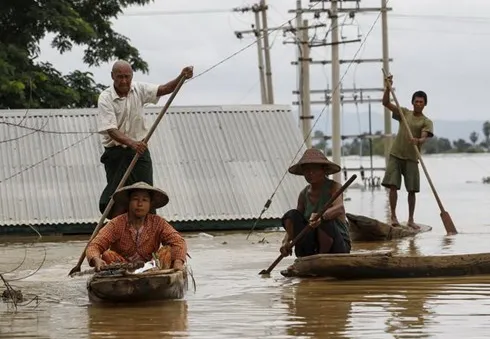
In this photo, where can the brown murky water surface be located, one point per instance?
(233, 301)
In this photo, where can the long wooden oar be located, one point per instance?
(446, 218)
(128, 172)
(308, 228)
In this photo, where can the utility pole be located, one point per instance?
(335, 97)
(305, 83)
(261, 31)
(370, 141)
(299, 21)
(301, 39)
(336, 142)
(386, 65)
(268, 68)
(263, 91)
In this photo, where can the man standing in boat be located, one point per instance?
(331, 233)
(120, 121)
(137, 235)
(403, 158)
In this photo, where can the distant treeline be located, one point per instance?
(434, 145)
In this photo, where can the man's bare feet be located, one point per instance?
(413, 225)
(394, 221)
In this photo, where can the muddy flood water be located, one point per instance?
(232, 301)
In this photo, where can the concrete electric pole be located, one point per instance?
(268, 67)
(335, 97)
(386, 65)
(261, 31)
(336, 141)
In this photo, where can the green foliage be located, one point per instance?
(433, 145)
(474, 137)
(437, 145)
(24, 23)
(486, 132)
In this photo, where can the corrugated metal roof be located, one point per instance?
(215, 162)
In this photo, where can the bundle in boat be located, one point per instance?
(368, 229)
(386, 265)
(127, 287)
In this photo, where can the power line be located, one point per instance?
(46, 158)
(444, 17)
(339, 83)
(24, 135)
(160, 13)
(40, 130)
(198, 75)
(269, 31)
(440, 31)
(472, 19)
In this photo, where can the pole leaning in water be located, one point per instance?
(305, 230)
(445, 217)
(127, 173)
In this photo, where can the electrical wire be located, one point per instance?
(209, 69)
(269, 201)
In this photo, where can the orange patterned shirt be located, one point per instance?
(120, 237)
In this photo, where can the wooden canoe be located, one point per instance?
(386, 265)
(363, 228)
(130, 288)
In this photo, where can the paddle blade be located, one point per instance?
(448, 223)
(74, 270)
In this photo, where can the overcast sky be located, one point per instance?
(439, 46)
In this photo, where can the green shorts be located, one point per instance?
(396, 168)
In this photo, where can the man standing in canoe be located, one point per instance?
(331, 233)
(120, 121)
(136, 235)
(403, 158)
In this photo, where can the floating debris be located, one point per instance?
(11, 295)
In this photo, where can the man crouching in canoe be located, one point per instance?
(136, 235)
(330, 234)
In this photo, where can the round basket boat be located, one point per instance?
(129, 288)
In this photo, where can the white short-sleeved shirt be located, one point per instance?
(125, 113)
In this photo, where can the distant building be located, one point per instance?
(219, 165)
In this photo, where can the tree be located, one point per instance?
(461, 145)
(473, 137)
(436, 145)
(321, 142)
(486, 132)
(86, 88)
(26, 83)
(444, 145)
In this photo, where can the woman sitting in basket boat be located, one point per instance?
(136, 236)
(330, 233)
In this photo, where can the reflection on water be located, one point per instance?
(413, 250)
(315, 312)
(409, 309)
(168, 320)
(233, 301)
(447, 243)
(399, 308)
